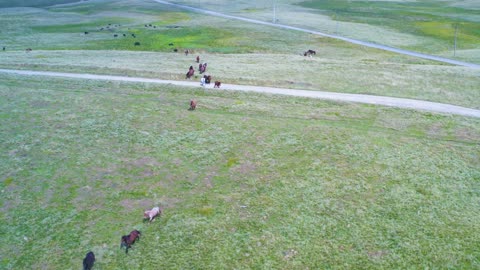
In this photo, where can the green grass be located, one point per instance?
(431, 19)
(33, 3)
(247, 181)
(200, 38)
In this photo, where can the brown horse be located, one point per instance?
(202, 67)
(217, 84)
(198, 59)
(129, 240)
(190, 72)
(193, 105)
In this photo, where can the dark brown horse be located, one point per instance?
(190, 73)
(202, 67)
(193, 105)
(198, 59)
(129, 240)
(217, 84)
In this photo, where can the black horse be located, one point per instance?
(89, 261)
(309, 53)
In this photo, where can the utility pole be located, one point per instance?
(274, 12)
(455, 41)
(336, 24)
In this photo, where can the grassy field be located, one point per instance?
(236, 52)
(247, 181)
(348, 71)
(426, 26)
(33, 3)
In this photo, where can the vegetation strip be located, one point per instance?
(350, 40)
(367, 99)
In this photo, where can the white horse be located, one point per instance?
(151, 214)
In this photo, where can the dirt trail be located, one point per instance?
(367, 99)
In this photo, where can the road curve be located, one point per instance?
(357, 98)
(350, 40)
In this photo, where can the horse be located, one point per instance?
(190, 72)
(129, 240)
(198, 59)
(207, 78)
(89, 261)
(202, 67)
(28, 50)
(309, 53)
(186, 52)
(217, 84)
(151, 214)
(193, 105)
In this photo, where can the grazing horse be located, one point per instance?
(129, 240)
(151, 214)
(217, 84)
(309, 53)
(136, 43)
(208, 79)
(4, 48)
(202, 67)
(186, 52)
(28, 50)
(193, 105)
(198, 59)
(190, 73)
(88, 261)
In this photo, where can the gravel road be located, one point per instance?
(357, 98)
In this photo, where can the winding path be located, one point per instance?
(367, 99)
(350, 40)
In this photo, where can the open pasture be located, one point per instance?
(426, 26)
(237, 52)
(246, 180)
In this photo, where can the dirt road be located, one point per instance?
(367, 99)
